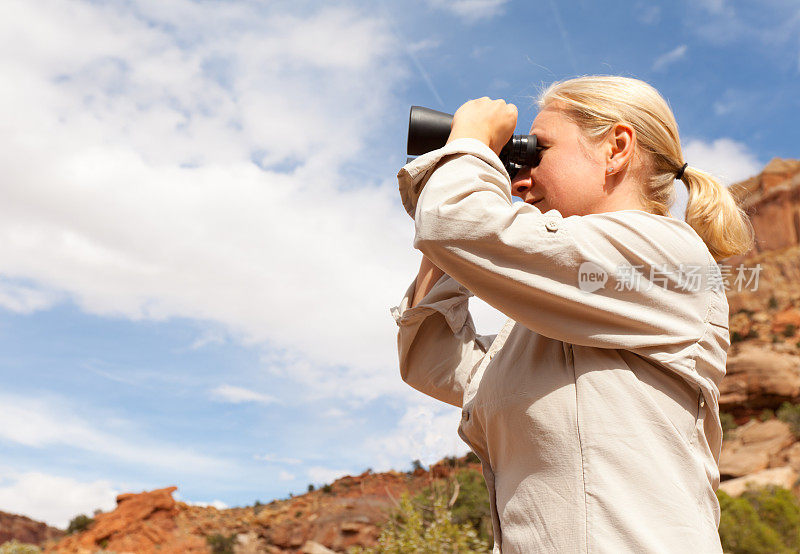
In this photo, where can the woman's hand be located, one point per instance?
(490, 121)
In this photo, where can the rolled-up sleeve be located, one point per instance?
(528, 264)
(437, 344)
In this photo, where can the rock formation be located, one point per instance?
(772, 200)
(143, 523)
(349, 512)
(26, 530)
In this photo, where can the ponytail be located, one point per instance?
(714, 215)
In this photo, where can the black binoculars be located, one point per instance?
(429, 130)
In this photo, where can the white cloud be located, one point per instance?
(422, 45)
(670, 57)
(218, 504)
(39, 422)
(427, 431)
(54, 499)
(728, 160)
(285, 476)
(323, 475)
(488, 320)
(471, 10)
(277, 459)
(335, 412)
(24, 299)
(238, 395)
(207, 338)
(129, 186)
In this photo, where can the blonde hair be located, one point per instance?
(596, 103)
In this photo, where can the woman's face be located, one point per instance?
(571, 174)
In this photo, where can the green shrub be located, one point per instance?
(773, 302)
(761, 521)
(414, 528)
(779, 509)
(472, 458)
(766, 415)
(220, 544)
(741, 531)
(472, 504)
(728, 424)
(736, 336)
(257, 507)
(79, 524)
(790, 330)
(790, 413)
(327, 489)
(15, 547)
(450, 461)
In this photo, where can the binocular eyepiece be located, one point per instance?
(429, 130)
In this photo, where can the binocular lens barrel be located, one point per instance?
(429, 129)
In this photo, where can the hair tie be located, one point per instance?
(680, 171)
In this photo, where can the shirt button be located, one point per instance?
(551, 225)
(702, 402)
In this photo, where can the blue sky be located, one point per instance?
(201, 235)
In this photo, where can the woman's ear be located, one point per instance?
(620, 146)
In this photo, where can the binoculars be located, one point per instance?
(429, 130)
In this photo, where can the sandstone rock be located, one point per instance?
(785, 318)
(772, 201)
(761, 317)
(143, 523)
(759, 378)
(311, 547)
(782, 476)
(26, 530)
(787, 457)
(777, 172)
(752, 446)
(249, 543)
(352, 527)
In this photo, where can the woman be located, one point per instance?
(594, 411)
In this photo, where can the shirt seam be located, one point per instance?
(583, 459)
(706, 327)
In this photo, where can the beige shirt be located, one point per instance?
(594, 411)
